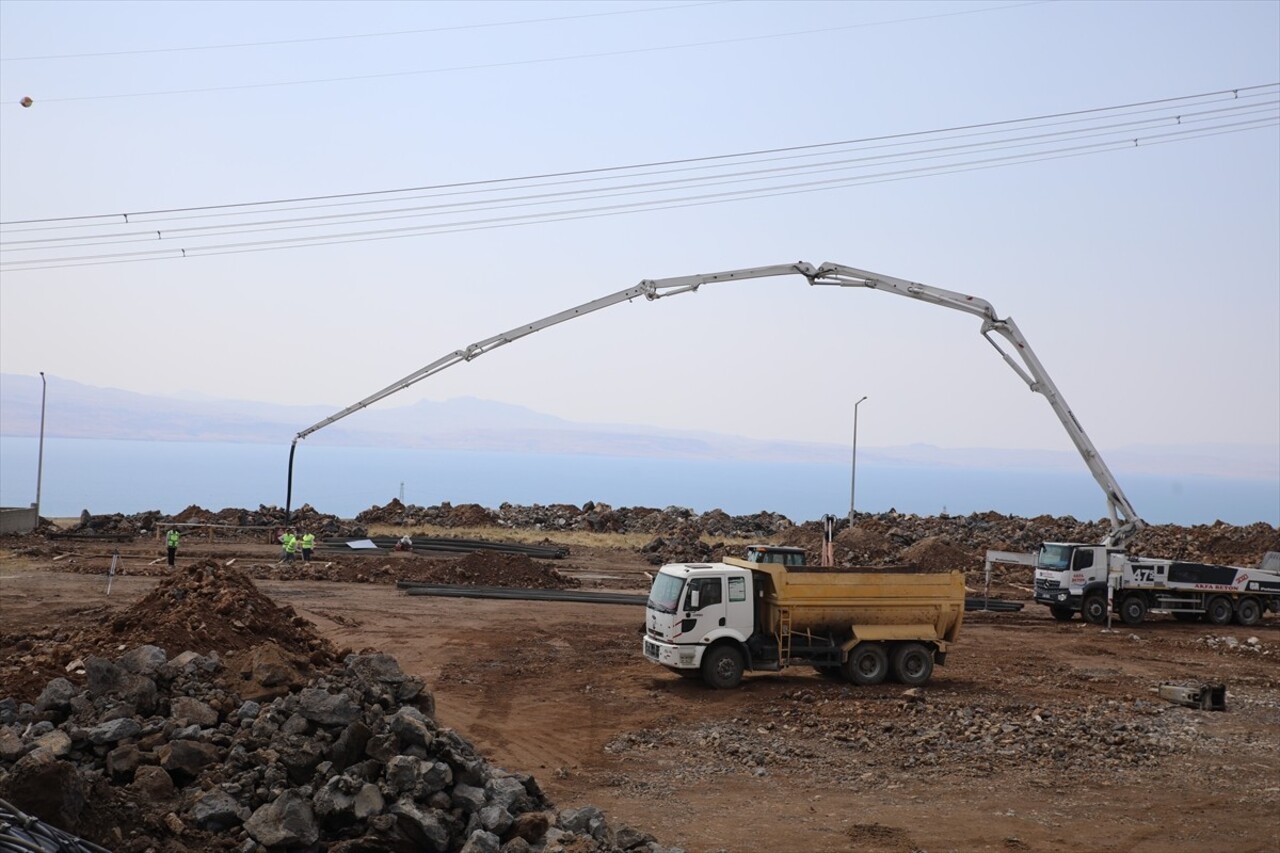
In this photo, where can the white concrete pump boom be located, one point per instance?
(1124, 520)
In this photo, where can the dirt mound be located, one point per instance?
(938, 555)
(864, 544)
(209, 607)
(491, 568)
(203, 607)
(682, 545)
(471, 515)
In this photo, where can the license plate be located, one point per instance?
(650, 649)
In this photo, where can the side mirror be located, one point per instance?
(694, 595)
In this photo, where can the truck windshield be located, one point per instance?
(1054, 557)
(665, 593)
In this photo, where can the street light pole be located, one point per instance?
(853, 468)
(44, 387)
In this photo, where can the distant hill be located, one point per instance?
(467, 423)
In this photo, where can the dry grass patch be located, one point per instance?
(579, 538)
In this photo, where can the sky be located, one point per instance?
(1146, 275)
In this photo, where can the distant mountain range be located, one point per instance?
(467, 423)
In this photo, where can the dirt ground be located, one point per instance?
(1036, 736)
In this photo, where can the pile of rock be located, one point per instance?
(591, 516)
(263, 518)
(489, 568)
(858, 744)
(201, 606)
(155, 752)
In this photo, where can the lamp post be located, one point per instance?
(853, 468)
(44, 387)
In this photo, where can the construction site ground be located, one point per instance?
(1036, 735)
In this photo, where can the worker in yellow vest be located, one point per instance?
(308, 542)
(289, 541)
(171, 542)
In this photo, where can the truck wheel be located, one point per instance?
(1133, 609)
(912, 664)
(867, 664)
(1061, 613)
(1248, 612)
(722, 667)
(1094, 609)
(1219, 610)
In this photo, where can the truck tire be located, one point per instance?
(1094, 608)
(1249, 612)
(1133, 609)
(912, 664)
(722, 667)
(867, 664)
(1219, 610)
(1061, 612)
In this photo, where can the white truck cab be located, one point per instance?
(691, 606)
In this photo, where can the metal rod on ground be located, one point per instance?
(111, 572)
(579, 597)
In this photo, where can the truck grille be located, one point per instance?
(1043, 585)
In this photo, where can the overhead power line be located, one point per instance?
(585, 194)
(1172, 104)
(353, 36)
(201, 90)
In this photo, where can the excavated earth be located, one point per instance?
(1036, 735)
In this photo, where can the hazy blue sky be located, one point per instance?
(1147, 278)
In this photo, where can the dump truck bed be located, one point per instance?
(878, 603)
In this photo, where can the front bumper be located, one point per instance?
(673, 656)
(1052, 595)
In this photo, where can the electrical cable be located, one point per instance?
(352, 36)
(1228, 94)
(613, 210)
(146, 235)
(546, 60)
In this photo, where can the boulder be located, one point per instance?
(56, 696)
(115, 731)
(152, 783)
(193, 711)
(422, 826)
(185, 759)
(144, 660)
(216, 811)
(327, 709)
(57, 743)
(286, 821)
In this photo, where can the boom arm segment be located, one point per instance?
(1029, 368)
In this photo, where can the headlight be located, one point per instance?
(1062, 596)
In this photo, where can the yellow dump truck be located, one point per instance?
(771, 611)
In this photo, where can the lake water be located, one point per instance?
(106, 476)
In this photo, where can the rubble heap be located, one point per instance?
(203, 606)
(490, 568)
(353, 761)
(678, 532)
(264, 517)
(591, 516)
